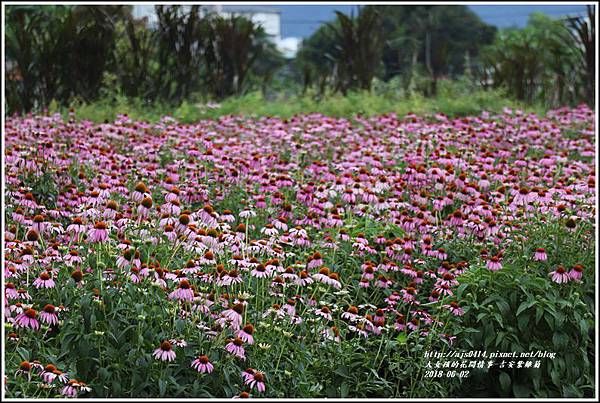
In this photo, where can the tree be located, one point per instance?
(438, 37)
(358, 45)
(231, 47)
(537, 62)
(178, 51)
(315, 60)
(59, 51)
(583, 31)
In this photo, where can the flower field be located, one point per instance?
(306, 257)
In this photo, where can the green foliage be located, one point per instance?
(314, 59)
(519, 309)
(178, 40)
(436, 37)
(57, 52)
(455, 98)
(584, 33)
(539, 62)
(42, 186)
(358, 47)
(136, 52)
(232, 45)
(66, 53)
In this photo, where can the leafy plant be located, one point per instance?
(519, 309)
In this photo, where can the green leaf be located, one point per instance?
(344, 390)
(522, 322)
(571, 391)
(461, 288)
(583, 326)
(525, 305)
(481, 316)
(103, 374)
(162, 387)
(342, 371)
(488, 339)
(499, 338)
(24, 353)
(521, 390)
(555, 376)
(504, 381)
(503, 305)
(539, 311)
(401, 338)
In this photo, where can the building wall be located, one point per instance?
(270, 22)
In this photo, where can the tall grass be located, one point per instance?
(453, 100)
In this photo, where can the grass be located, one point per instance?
(452, 100)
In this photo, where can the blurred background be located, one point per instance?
(196, 61)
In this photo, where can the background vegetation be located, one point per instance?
(102, 61)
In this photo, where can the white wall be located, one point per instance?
(270, 21)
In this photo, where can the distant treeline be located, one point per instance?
(66, 53)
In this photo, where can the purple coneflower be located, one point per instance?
(257, 381)
(324, 312)
(48, 315)
(183, 292)
(235, 347)
(351, 313)
(234, 315)
(560, 275)
(99, 233)
(494, 263)
(454, 308)
(9, 291)
(24, 369)
(540, 255)
(28, 319)
(303, 279)
(576, 272)
(44, 281)
(400, 323)
(73, 388)
(164, 352)
(246, 333)
(203, 365)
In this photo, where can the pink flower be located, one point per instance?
(44, 281)
(73, 388)
(164, 352)
(202, 365)
(351, 314)
(257, 381)
(183, 292)
(576, 272)
(236, 348)
(234, 315)
(48, 315)
(10, 291)
(99, 233)
(245, 334)
(303, 279)
(248, 375)
(560, 275)
(400, 323)
(28, 319)
(324, 312)
(494, 263)
(454, 308)
(540, 255)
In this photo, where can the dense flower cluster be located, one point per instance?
(311, 220)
